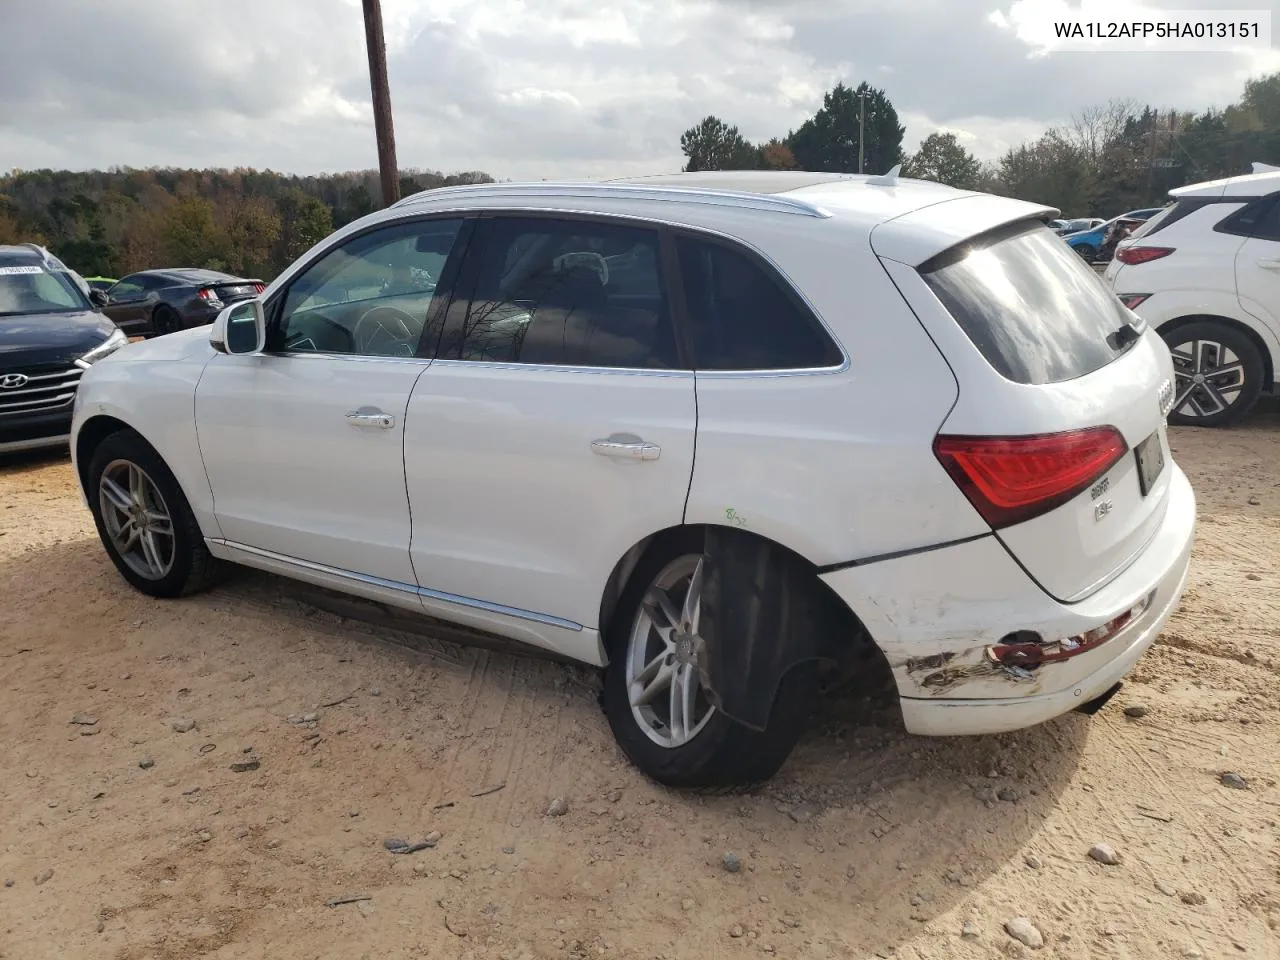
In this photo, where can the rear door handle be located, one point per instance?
(371, 419)
(1269, 264)
(626, 449)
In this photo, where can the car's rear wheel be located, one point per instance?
(165, 320)
(144, 520)
(1218, 373)
(654, 697)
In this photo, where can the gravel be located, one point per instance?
(1105, 854)
(1025, 932)
(558, 807)
(1234, 781)
(731, 862)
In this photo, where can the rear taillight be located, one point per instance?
(1139, 254)
(1013, 479)
(208, 294)
(1134, 300)
(258, 287)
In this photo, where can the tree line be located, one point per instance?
(1108, 159)
(251, 223)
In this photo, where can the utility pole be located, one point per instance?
(381, 102)
(862, 129)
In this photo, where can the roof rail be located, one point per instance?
(777, 203)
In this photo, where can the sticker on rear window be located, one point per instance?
(26, 269)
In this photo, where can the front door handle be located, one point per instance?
(371, 418)
(626, 449)
(1269, 264)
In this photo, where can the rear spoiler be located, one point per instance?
(916, 237)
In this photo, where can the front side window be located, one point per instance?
(30, 288)
(565, 293)
(371, 296)
(741, 315)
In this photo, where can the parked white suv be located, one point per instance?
(1205, 273)
(706, 432)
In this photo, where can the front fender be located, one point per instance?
(156, 399)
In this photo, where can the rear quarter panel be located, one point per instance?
(151, 388)
(837, 465)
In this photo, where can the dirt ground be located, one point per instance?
(870, 843)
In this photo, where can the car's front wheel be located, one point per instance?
(654, 698)
(1218, 373)
(144, 519)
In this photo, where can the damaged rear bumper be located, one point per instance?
(938, 617)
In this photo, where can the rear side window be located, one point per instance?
(567, 293)
(1260, 219)
(741, 315)
(1036, 311)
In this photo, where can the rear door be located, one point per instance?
(1042, 347)
(1257, 264)
(554, 431)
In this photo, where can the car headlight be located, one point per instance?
(105, 348)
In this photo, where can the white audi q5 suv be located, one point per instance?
(706, 432)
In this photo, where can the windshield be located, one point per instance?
(1036, 311)
(31, 288)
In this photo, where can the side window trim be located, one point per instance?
(273, 307)
(778, 276)
(452, 331)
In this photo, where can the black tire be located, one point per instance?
(1215, 339)
(165, 320)
(1087, 253)
(724, 754)
(192, 567)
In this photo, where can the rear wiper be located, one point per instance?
(1126, 334)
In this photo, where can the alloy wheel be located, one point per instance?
(1209, 378)
(664, 684)
(137, 519)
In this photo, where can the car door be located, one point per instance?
(303, 443)
(127, 304)
(1257, 261)
(554, 431)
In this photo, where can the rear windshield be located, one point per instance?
(1030, 304)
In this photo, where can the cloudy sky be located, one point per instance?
(549, 88)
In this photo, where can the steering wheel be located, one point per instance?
(385, 332)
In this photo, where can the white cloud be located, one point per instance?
(542, 88)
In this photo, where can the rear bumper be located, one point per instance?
(936, 614)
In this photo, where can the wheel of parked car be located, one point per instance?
(165, 320)
(653, 694)
(144, 520)
(1087, 251)
(1218, 372)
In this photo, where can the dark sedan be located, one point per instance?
(155, 302)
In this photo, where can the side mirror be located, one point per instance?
(99, 298)
(240, 328)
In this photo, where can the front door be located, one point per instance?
(129, 304)
(303, 443)
(554, 431)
